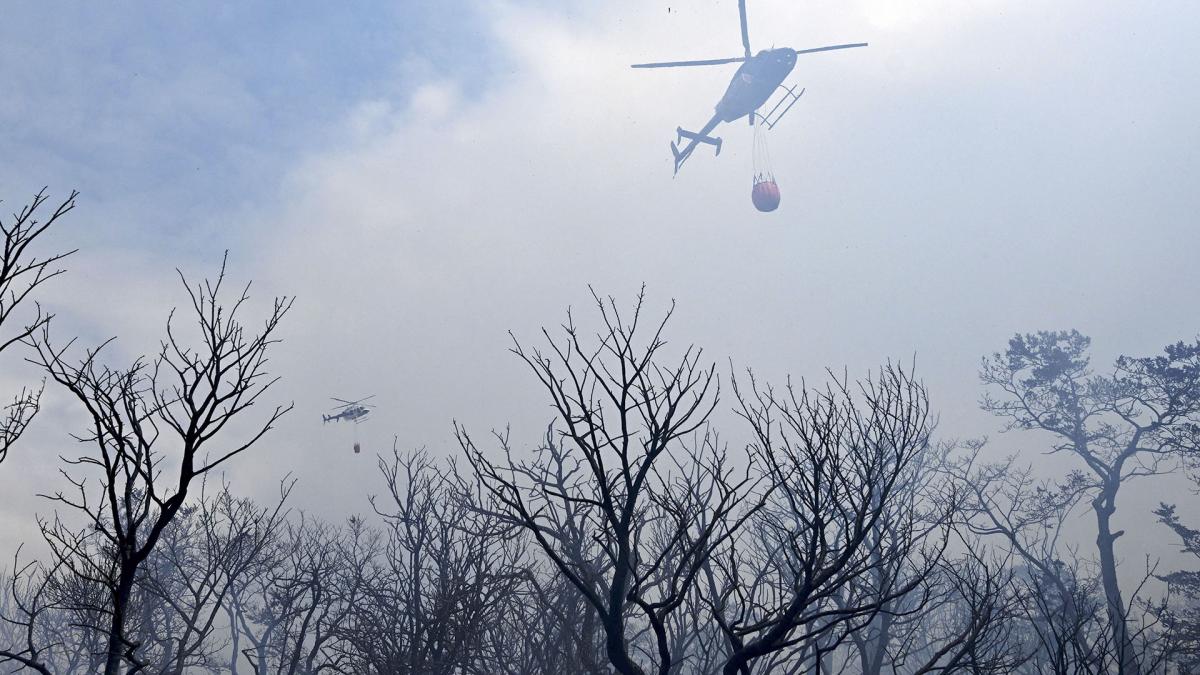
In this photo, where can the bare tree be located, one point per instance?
(634, 495)
(42, 616)
(547, 627)
(293, 613)
(960, 617)
(1064, 609)
(1004, 501)
(446, 572)
(816, 567)
(185, 583)
(903, 625)
(1125, 425)
(20, 273)
(25, 607)
(561, 632)
(155, 428)
(972, 626)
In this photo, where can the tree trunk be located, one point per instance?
(875, 647)
(1104, 506)
(618, 655)
(236, 639)
(116, 630)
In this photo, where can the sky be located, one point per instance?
(425, 177)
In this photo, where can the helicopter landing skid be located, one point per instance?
(775, 114)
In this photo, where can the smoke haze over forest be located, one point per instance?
(425, 178)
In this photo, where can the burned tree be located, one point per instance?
(548, 628)
(184, 585)
(632, 495)
(816, 567)
(155, 428)
(293, 611)
(971, 624)
(446, 575)
(960, 616)
(1133, 422)
(30, 629)
(20, 273)
(1005, 503)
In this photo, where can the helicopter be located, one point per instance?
(349, 411)
(751, 87)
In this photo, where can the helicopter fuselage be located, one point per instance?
(754, 82)
(752, 85)
(351, 414)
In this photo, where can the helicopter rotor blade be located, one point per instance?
(745, 30)
(830, 48)
(345, 402)
(673, 64)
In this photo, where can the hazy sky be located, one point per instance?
(427, 176)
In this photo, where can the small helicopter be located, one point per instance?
(751, 87)
(349, 411)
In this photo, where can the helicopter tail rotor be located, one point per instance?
(680, 155)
